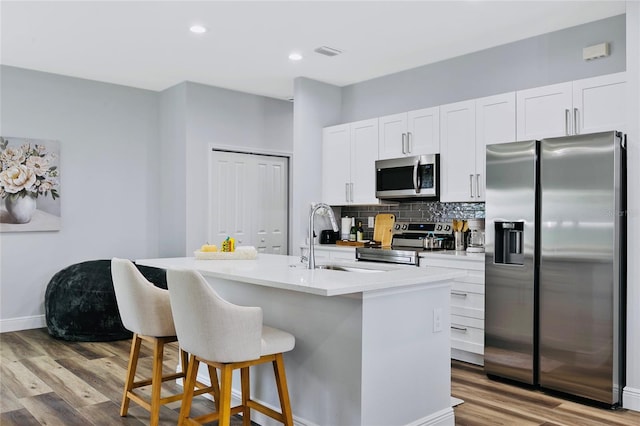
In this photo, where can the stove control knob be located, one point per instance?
(404, 227)
(397, 226)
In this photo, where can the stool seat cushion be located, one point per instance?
(276, 341)
(80, 302)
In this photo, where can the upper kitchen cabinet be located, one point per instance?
(458, 153)
(466, 129)
(409, 133)
(495, 123)
(599, 103)
(349, 152)
(582, 106)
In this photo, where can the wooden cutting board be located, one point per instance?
(350, 243)
(382, 228)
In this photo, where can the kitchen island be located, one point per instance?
(372, 343)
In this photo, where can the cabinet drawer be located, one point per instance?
(467, 334)
(465, 299)
(466, 287)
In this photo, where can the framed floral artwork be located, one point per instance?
(29, 185)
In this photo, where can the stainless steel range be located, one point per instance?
(409, 239)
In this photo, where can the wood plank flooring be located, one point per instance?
(44, 381)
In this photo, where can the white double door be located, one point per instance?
(248, 200)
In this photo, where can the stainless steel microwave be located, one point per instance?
(408, 177)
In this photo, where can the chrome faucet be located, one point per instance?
(315, 207)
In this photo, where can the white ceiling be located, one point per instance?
(147, 44)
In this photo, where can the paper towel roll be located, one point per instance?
(345, 228)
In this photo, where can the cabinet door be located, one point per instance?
(495, 123)
(336, 164)
(423, 127)
(599, 103)
(458, 154)
(270, 224)
(544, 112)
(364, 153)
(392, 136)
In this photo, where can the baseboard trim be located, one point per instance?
(631, 398)
(22, 323)
(439, 418)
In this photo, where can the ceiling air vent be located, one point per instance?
(327, 51)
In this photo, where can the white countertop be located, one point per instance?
(286, 272)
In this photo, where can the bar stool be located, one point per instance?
(227, 337)
(146, 311)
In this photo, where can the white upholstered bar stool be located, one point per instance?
(146, 311)
(227, 337)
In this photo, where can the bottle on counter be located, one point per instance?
(353, 232)
(359, 232)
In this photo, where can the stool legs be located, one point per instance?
(224, 411)
(131, 373)
(283, 389)
(156, 401)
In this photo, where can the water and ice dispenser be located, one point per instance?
(509, 242)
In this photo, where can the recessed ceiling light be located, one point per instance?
(295, 56)
(198, 29)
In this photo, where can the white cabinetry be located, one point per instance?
(599, 103)
(467, 305)
(349, 152)
(466, 128)
(582, 106)
(409, 133)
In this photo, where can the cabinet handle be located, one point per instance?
(471, 185)
(409, 147)
(576, 126)
(457, 293)
(351, 192)
(478, 185)
(346, 192)
(404, 148)
(453, 327)
(566, 122)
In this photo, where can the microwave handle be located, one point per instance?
(416, 183)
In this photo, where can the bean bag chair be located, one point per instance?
(80, 303)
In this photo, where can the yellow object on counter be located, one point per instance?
(209, 248)
(229, 245)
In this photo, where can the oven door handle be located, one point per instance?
(416, 179)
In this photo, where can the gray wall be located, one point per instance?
(108, 191)
(316, 105)
(550, 58)
(232, 119)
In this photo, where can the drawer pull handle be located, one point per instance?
(457, 293)
(453, 327)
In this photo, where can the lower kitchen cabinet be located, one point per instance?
(467, 304)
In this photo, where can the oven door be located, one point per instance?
(408, 177)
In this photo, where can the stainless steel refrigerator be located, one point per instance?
(555, 263)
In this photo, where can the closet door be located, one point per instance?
(248, 200)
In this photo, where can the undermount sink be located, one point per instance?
(343, 268)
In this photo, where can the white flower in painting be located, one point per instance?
(40, 165)
(44, 186)
(16, 178)
(12, 155)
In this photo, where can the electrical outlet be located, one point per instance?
(437, 320)
(370, 223)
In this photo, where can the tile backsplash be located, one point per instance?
(417, 211)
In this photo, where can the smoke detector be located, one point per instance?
(327, 51)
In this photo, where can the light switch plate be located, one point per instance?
(370, 222)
